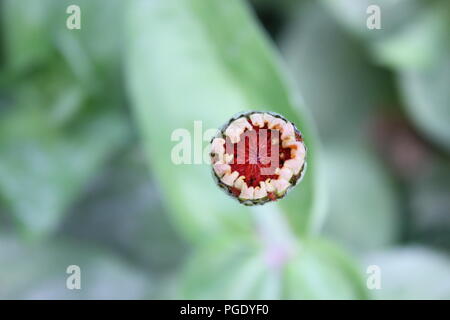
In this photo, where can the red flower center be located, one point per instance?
(253, 153)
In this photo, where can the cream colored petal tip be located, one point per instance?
(276, 123)
(242, 123)
(286, 173)
(260, 192)
(234, 133)
(269, 186)
(221, 169)
(280, 185)
(294, 164)
(288, 142)
(247, 193)
(217, 146)
(268, 118)
(239, 183)
(298, 150)
(287, 131)
(257, 119)
(229, 178)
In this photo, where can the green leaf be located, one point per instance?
(36, 31)
(38, 271)
(413, 33)
(419, 43)
(430, 204)
(63, 121)
(342, 106)
(42, 168)
(56, 93)
(334, 74)
(427, 99)
(363, 208)
(394, 15)
(238, 272)
(24, 25)
(245, 269)
(322, 271)
(95, 62)
(206, 60)
(412, 272)
(125, 200)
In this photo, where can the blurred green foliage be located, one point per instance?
(62, 118)
(86, 176)
(426, 277)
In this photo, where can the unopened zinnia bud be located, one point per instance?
(258, 157)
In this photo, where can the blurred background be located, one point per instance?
(86, 177)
